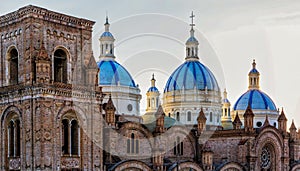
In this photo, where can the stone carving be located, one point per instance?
(14, 164)
(47, 135)
(70, 162)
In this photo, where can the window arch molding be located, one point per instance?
(65, 61)
(12, 124)
(12, 65)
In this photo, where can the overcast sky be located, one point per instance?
(150, 37)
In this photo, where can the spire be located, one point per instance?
(237, 118)
(267, 123)
(201, 121)
(110, 110)
(192, 43)
(201, 116)
(293, 127)
(110, 104)
(153, 81)
(106, 24)
(282, 116)
(253, 77)
(248, 119)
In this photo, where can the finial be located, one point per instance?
(192, 17)
(106, 23)
(106, 18)
(153, 81)
(253, 64)
(225, 94)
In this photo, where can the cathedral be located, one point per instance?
(63, 108)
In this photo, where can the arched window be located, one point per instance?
(189, 116)
(60, 66)
(132, 145)
(13, 134)
(70, 135)
(13, 66)
(210, 117)
(177, 116)
(178, 147)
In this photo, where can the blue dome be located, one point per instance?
(107, 34)
(254, 70)
(152, 89)
(189, 75)
(192, 39)
(256, 99)
(112, 73)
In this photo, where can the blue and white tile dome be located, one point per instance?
(112, 73)
(257, 100)
(190, 75)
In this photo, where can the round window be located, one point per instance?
(129, 107)
(258, 124)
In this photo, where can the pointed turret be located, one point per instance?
(201, 120)
(107, 42)
(152, 97)
(253, 77)
(282, 122)
(160, 120)
(226, 118)
(192, 43)
(266, 123)
(248, 119)
(237, 123)
(293, 131)
(110, 110)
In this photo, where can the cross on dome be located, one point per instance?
(192, 17)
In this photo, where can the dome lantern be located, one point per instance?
(253, 77)
(107, 43)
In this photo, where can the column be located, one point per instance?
(15, 138)
(8, 141)
(69, 139)
(78, 132)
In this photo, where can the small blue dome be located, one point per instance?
(112, 73)
(192, 39)
(256, 99)
(107, 34)
(225, 101)
(189, 75)
(152, 89)
(254, 70)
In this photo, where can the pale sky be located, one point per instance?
(150, 37)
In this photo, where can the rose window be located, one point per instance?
(265, 158)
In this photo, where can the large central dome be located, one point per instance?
(192, 87)
(190, 75)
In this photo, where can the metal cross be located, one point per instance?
(192, 17)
